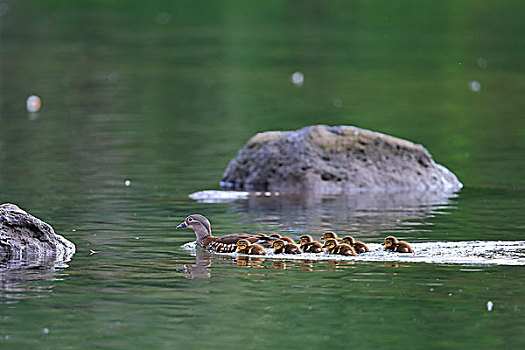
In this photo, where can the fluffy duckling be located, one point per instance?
(265, 240)
(331, 235)
(358, 246)
(333, 247)
(281, 247)
(308, 245)
(225, 244)
(287, 240)
(391, 243)
(245, 247)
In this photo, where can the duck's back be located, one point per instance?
(228, 243)
(360, 247)
(312, 247)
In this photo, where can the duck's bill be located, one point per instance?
(181, 225)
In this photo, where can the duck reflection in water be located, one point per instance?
(248, 261)
(201, 268)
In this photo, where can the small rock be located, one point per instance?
(25, 237)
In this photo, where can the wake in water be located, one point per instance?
(465, 253)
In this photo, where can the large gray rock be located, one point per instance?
(333, 160)
(25, 237)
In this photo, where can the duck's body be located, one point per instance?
(308, 245)
(333, 247)
(392, 244)
(225, 244)
(246, 247)
(358, 246)
(282, 247)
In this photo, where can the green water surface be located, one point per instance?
(163, 94)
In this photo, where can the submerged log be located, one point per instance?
(25, 237)
(335, 160)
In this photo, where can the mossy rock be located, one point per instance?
(334, 160)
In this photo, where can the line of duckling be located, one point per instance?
(254, 244)
(346, 246)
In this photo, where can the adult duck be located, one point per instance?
(225, 244)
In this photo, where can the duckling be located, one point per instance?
(333, 247)
(281, 247)
(225, 244)
(358, 246)
(331, 235)
(245, 247)
(308, 245)
(265, 240)
(391, 243)
(287, 240)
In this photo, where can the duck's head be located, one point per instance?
(390, 241)
(305, 239)
(275, 235)
(199, 224)
(278, 244)
(329, 234)
(287, 239)
(242, 244)
(330, 243)
(349, 240)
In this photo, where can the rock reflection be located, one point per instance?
(22, 279)
(366, 212)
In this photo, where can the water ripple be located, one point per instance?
(464, 253)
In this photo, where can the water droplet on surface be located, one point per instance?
(127, 183)
(113, 77)
(33, 104)
(45, 330)
(298, 78)
(490, 305)
(163, 18)
(475, 86)
(3, 9)
(482, 63)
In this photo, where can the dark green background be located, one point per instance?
(165, 93)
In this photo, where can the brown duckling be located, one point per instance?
(391, 243)
(246, 247)
(287, 240)
(333, 247)
(225, 244)
(358, 246)
(265, 240)
(331, 235)
(308, 245)
(281, 247)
